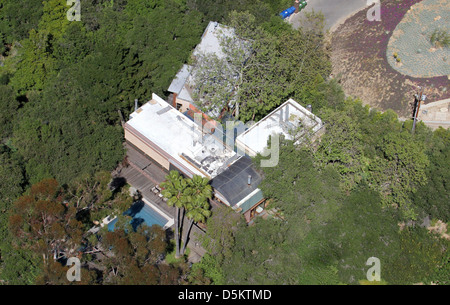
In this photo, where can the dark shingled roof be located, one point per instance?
(233, 182)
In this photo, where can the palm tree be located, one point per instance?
(197, 205)
(176, 190)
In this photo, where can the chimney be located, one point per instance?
(287, 113)
(309, 107)
(136, 105)
(297, 6)
(249, 181)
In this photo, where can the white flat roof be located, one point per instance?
(181, 138)
(283, 120)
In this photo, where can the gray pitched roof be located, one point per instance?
(233, 182)
(180, 79)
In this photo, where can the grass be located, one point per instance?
(170, 257)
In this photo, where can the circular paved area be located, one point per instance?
(410, 41)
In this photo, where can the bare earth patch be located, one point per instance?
(360, 63)
(440, 228)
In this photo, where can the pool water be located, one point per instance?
(141, 213)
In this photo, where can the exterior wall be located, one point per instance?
(250, 214)
(130, 137)
(185, 104)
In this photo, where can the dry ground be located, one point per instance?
(360, 63)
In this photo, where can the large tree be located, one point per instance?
(175, 189)
(44, 222)
(259, 69)
(197, 207)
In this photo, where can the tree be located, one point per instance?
(359, 230)
(12, 179)
(290, 64)
(399, 171)
(259, 70)
(134, 256)
(36, 64)
(17, 18)
(175, 189)
(219, 242)
(198, 209)
(17, 266)
(341, 146)
(433, 197)
(98, 196)
(219, 10)
(54, 18)
(278, 250)
(43, 222)
(217, 78)
(8, 110)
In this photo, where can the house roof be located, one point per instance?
(232, 184)
(210, 42)
(250, 201)
(182, 140)
(287, 119)
(180, 79)
(183, 83)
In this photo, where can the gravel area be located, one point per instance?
(415, 55)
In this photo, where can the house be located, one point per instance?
(167, 137)
(169, 133)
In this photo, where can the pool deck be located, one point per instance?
(144, 174)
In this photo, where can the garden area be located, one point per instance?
(383, 62)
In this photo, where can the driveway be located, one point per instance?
(335, 11)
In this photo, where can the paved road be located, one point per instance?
(335, 11)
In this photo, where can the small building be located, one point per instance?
(291, 120)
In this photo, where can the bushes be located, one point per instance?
(440, 38)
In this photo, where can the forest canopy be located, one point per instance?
(365, 189)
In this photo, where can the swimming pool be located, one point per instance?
(143, 212)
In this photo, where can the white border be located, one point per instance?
(170, 221)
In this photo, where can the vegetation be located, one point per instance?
(261, 68)
(440, 38)
(328, 229)
(190, 196)
(363, 190)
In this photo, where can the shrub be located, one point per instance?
(440, 38)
